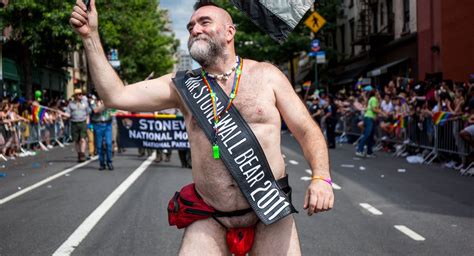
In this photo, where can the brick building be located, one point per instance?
(446, 38)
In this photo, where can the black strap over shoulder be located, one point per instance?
(239, 148)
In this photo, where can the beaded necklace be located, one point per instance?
(233, 94)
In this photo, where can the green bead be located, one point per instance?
(232, 95)
(213, 94)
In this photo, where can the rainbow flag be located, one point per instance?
(401, 121)
(439, 118)
(306, 85)
(38, 112)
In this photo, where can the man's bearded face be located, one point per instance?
(205, 49)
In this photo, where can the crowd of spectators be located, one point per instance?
(407, 116)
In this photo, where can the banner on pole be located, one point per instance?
(152, 131)
(276, 18)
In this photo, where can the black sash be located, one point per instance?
(239, 148)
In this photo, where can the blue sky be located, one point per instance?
(180, 11)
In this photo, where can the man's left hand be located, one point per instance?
(319, 197)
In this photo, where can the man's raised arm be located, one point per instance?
(150, 95)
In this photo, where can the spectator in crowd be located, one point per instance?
(102, 123)
(315, 110)
(78, 111)
(331, 120)
(91, 100)
(370, 115)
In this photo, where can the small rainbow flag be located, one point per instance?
(399, 123)
(439, 118)
(402, 122)
(38, 112)
(306, 85)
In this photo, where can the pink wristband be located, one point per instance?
(329, 181)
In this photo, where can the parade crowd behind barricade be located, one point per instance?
(40, 124)
(425, 122)
(27, 126)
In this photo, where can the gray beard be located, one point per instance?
(205, 55)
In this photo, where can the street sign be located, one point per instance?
(315, 45)
(315, 22)
(321, 57)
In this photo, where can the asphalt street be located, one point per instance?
(385, 206)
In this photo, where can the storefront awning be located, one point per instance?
(349, 76)
(383, 69)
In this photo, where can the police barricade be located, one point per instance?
(448, 139)
(44, 136)
(351, 132)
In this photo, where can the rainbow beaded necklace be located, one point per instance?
(233, 94)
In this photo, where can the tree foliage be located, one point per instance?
(41, 35)
(138, 30)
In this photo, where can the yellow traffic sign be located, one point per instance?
(315, 22)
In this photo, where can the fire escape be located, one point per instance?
(362, 33)
(367, 32)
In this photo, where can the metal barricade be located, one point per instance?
(419, 132)
(25, 137)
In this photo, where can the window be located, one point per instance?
(406, 15)
(351, 34)
(351, 3)
(342, 30)
(382, 15)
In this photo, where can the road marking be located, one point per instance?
(412, 234)
(308, 171)
(347, 165)
(41, 183)
(293, 162)
(83, 230)
(334, 185)
(371, 209)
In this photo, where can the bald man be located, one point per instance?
(264, 94)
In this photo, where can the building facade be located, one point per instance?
(446, 38)
(375, 39)
(185, 62)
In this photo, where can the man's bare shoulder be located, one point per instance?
(265, 71)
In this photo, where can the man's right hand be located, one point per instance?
(84, 22)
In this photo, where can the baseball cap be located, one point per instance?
(368, 88)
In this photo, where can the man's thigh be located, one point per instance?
(279, 238)
(204, 237)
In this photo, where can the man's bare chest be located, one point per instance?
(255, 103)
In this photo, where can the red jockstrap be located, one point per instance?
(187, 207)
(240, 240)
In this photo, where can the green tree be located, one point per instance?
(138, 29)
(40, 34)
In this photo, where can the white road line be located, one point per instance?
(308, 171)
(83, 230)
(347, 165)
(293, 162)
(41, 183)
(334, 185)
(412, 234)
(371, 209)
